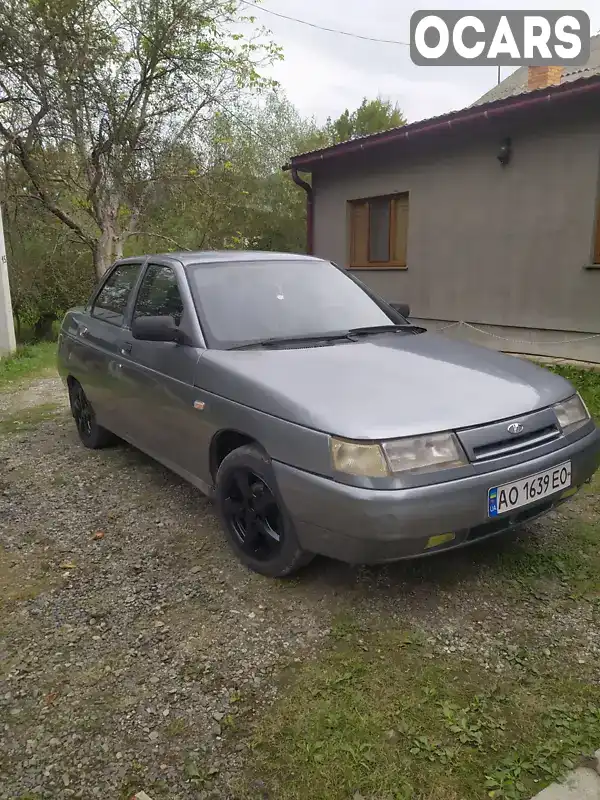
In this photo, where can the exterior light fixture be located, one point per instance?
(505, 152)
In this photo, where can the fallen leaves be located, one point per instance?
(50, 698)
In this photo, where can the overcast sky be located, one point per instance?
(324, 73)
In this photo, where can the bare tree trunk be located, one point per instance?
(118, 246)
(108, 245)
(102, 254)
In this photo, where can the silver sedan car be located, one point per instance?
(314, 413)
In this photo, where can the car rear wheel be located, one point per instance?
(91, 434)
(256, 523)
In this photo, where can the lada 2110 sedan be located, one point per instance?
(314, 413)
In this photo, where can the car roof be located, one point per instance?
(228, 256)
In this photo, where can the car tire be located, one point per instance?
(257, 525)
(91, 434)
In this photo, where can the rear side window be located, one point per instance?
(159, 295)
(111, 303)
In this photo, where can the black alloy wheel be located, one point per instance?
(91, 434)
(253, 515)
(252, 512)
(83, 412)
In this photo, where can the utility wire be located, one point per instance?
(322, 27)
(192, 78)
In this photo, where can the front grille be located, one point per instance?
(516, 443)
(488, 442)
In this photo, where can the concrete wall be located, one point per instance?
(503, 248)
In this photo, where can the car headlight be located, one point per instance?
(358, 458)
(571, 413)
(416, 454)
(425, 453)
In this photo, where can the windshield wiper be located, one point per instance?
(350, 335)
(278, 340)
(366, 331)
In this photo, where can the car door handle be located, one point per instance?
(83, 331)
(126, 348)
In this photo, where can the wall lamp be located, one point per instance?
(505, 152)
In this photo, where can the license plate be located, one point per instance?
(528, 490)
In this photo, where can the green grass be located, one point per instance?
(586, 381)
(574, 563)
(30, 361)
(569, 556)
(29, 418)
(176, 727)
(20, 580)
(381, 716)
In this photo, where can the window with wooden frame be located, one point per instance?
(378, 232)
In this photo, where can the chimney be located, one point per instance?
(541, 77)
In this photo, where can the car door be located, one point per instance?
(99, 335)
(159, 376)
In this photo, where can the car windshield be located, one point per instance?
(249, 301)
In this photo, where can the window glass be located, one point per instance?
(246, 301)
(114, 295)
(378, 232)
(159, 295)
(359, 233)
(379, 229)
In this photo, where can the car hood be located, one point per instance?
(382, 387)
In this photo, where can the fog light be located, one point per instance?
(442, 538)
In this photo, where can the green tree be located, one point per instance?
(94, 95)
(49, 268)
(232, 191)
(372, 116)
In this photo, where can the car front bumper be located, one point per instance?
(366, 526)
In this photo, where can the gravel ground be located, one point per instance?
(133, 642)
(37, 392)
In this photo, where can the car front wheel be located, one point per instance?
(91, 434)
(256, 523)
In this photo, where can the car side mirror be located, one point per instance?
(401, 308)
(155, 329)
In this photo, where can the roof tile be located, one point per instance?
(516, 83)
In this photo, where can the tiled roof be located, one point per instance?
(517, 82)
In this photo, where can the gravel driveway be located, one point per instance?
(133, 642)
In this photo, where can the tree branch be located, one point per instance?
(158, 236)
(27, 164)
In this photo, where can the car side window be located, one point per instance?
(111, 302)
(159, 295)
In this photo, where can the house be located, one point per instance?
(488, 216)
